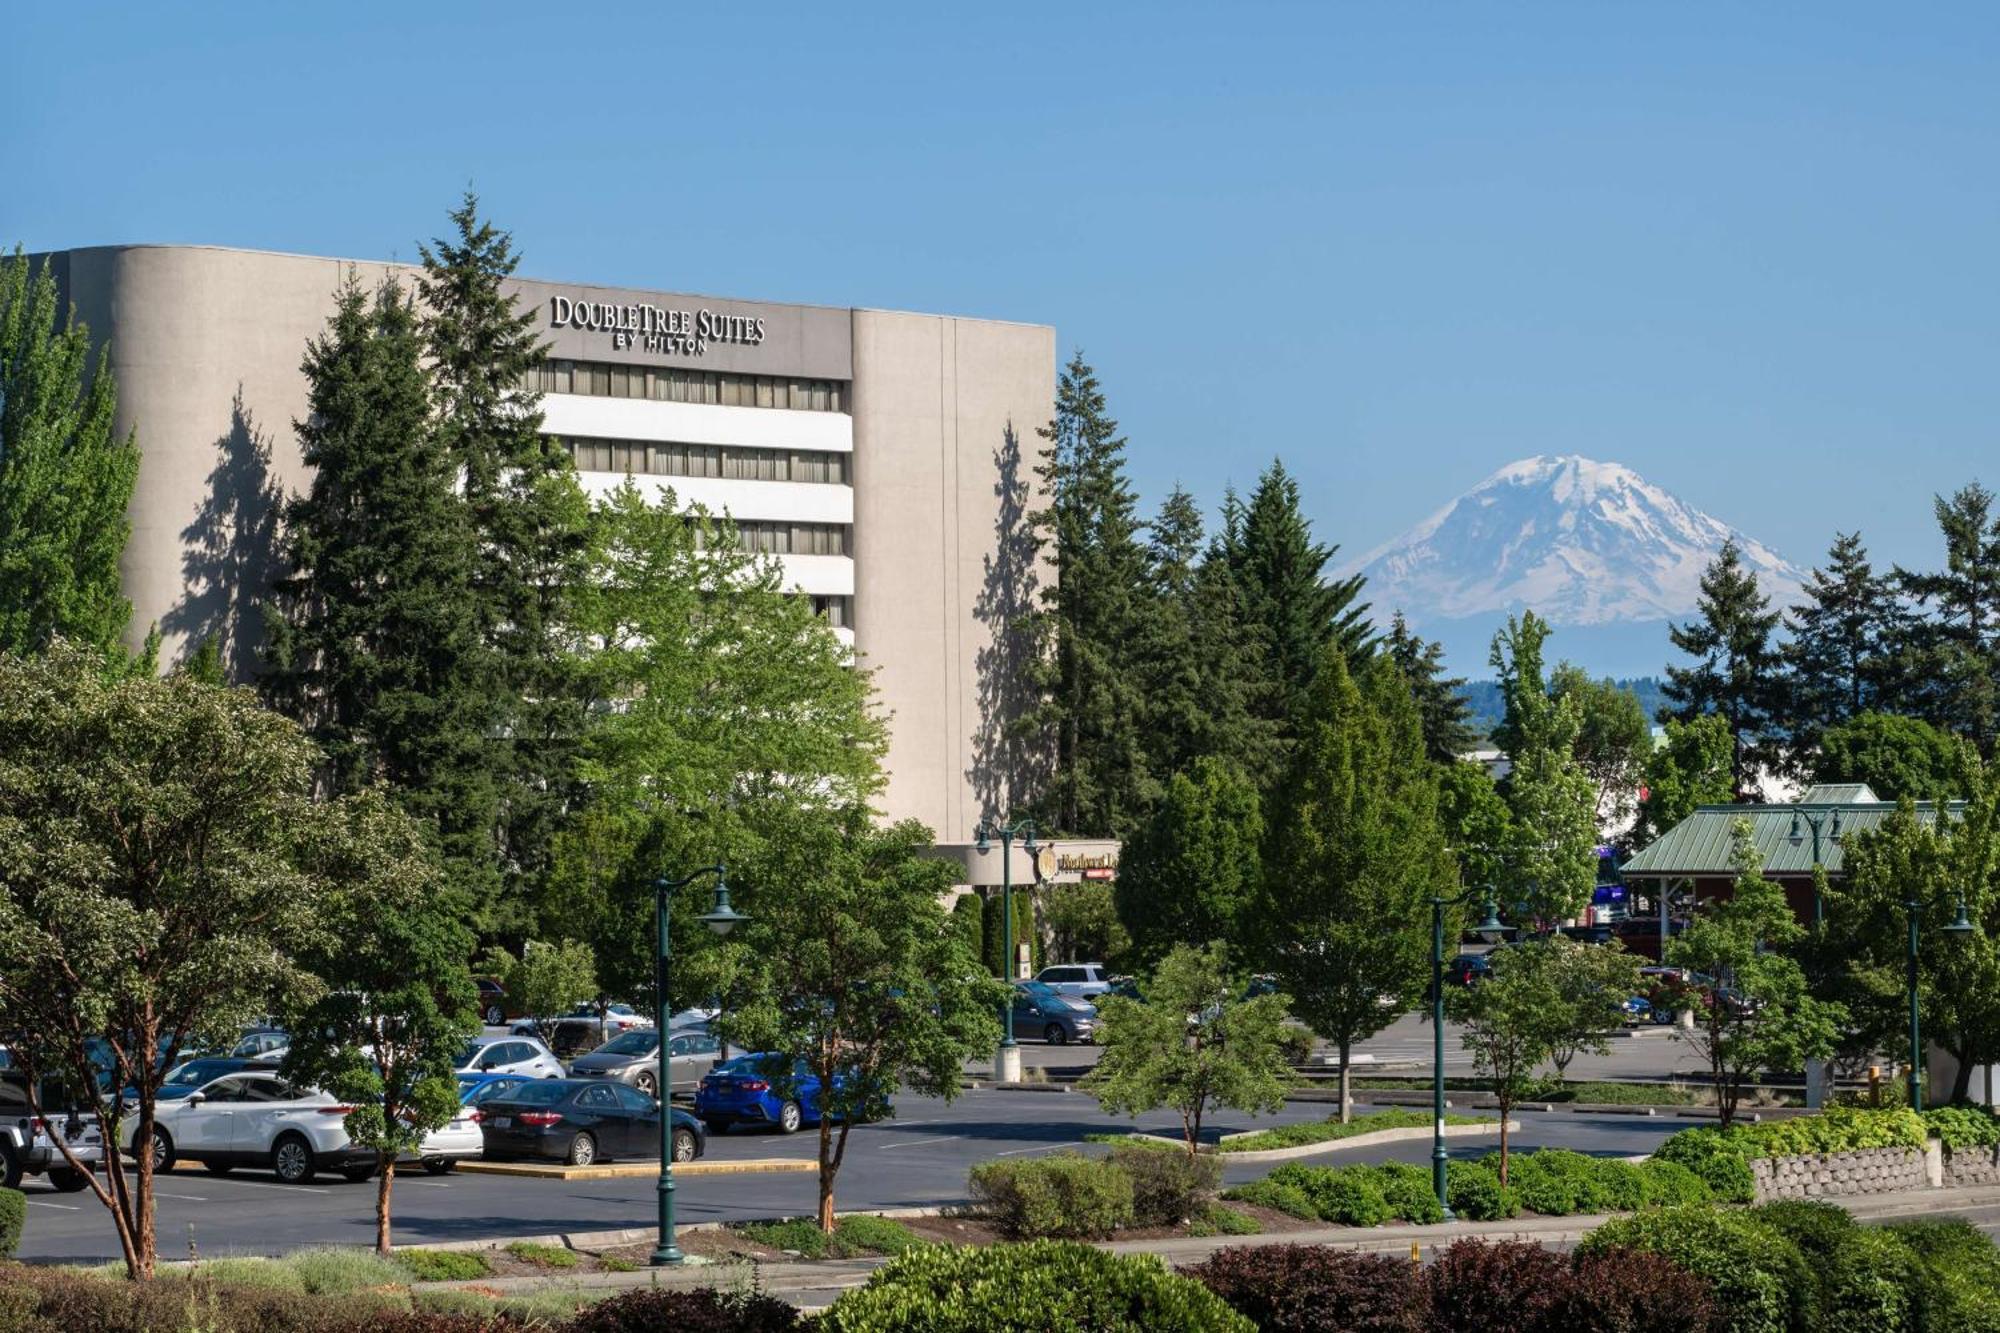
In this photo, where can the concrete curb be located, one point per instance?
(1373, 1137)
(635, 1170)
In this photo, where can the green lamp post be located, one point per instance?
(1490, 930)
(1961, 925)
(1007, 1063)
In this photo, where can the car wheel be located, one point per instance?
(163, 1151)
(440, 1166)
(648, 1083)
(790, 1118)
(292, 1160)
(582, 1149)
(1054, 1035)
(68, 1180)
(685, 1147)
(218, 1168)
(495, 1016)
(357, 1174)
(10, 1169)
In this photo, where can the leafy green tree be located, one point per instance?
(1612, 741)
(1548, 865)
(1689, 768)
(1509, 1024)
(151, 887)
(1092, 612)
(1847, 651)
(999, 959)
(1353, 854)
(1592, 983)
(1293, 611)
(1476, 822)
(546, 980)
(1764, 1019)
(1082, 922)
(1895, 756)
(1441, 704)
(1957, 645)
(66, 476)
(1188, 873)
(530, 523)
(399, 1002)
(1736, 663)
(1192, 1044)
(852, 970)
(968, 915)
(374, 643)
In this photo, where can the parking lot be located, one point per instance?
(918, 1159)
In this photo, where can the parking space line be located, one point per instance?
(66, 1207)
(191, 1198)
(274, 1185)
(1043, 1147)
(918, 1143)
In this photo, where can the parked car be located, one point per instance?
(191, 1075)
(1078, 980)
(742, 1092)
(256, 1118)
(461, 1140)
(1468, 969)
(29, 1143)
(616, 1018)
(474, 1089)
(1040, 1012)
(494, 1007)
(633, 1058)
(581, 1121)
(1126, 988)
(262, 1043)
(507, 1055)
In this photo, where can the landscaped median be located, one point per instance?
(1317, 1136)
(619, 1170)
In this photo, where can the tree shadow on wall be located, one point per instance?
(230, 550)
(1009, 761)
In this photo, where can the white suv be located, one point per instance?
(28, 1143)
(507, 1055)
(1078, 981)
(257, 1119)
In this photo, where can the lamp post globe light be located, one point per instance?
(1961, 926)
(720, 918)
(1490, 930)
(1007, 1061)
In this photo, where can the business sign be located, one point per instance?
(643, 326)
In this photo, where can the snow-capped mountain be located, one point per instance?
(1581, 543)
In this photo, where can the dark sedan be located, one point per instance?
(582, 1121)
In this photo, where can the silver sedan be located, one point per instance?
(633, 1058)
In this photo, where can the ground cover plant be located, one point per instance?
(852, 1237)
(1333, 1130)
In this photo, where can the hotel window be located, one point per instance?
(737, 462)
(839, 611)
(618, 380)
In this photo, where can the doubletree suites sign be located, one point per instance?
(643, 326)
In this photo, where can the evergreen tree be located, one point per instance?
(1442, 708)
(374, 639)
(1958, 646)
(1292, 608)
(1845, 655)
(1736, 663)
(1091, 615)
(1187, 873)
(1548, 864)
(66, 477)
(1353, 854)
(530, 523)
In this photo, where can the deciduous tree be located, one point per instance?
(1689, 768)
(1895, 756)
(1509, 1024)
(1548, 865)
(547, 980)
(1188, 873)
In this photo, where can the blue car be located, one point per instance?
(740, 1092)
(476, 1088)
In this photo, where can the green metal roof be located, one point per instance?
(1700, 844)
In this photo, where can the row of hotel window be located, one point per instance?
(642, 459)
(606, 379)
(778, 537)
(839, 611)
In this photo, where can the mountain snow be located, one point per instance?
(1577, 541)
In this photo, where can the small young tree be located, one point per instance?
(1592, 983)
(1757, 1014)
(852, 970)
(546, 980)
(401, 1001)
(1193, 1043)
(150, 885)
(1510, 1022)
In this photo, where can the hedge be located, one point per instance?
(1958, 1274)
(1315, 1288)
(697, 1310)
(1714, 1157)
(1170, 1187)
(1061, 1196)
(1964, 1126)
(1759, 1276)
(13, 1216)
(1029, 1288)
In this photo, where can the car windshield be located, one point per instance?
(197, 1072)
(469, 1052)
(630, 1043)
(1040, 990)
(475, 1093)
(540, 1092)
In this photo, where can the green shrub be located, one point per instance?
(268, 1274)
(1219, 1220)
(1672, 1185)
(1836, 1129)
(335, 1268)
(1477, 1194)
(1958, 1286)
(1062, 1196)
(13, 1216)
(1344, 1195)
(1621, 1186)
(1554, 1181)
(444, 1265)
(1718, 1158)
(867, 1234)
(1759, 1277)
(1964, 1126)
(799, 1235)
(542, 1256)
(1168, 1188)
(1276, 1195)
(1029, 1288)
(1409, 1192)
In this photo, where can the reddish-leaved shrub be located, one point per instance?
(1503, 1286)
(1314, 1288)
(699, 1310)
(1634, 1291)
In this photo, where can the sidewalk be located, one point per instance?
(796, 1279)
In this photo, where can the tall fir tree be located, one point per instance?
(1958, 643)
(1292, 607)
(1735, 671)
(374, 640)
(531, 534)
(1445, 714)
(66, 476)
(1091, 615)
(1847, 650)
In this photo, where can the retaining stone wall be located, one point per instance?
(1818, 1175)
(1972, 1166)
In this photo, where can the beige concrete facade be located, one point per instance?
(206, 344)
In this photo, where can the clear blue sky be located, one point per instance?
(1749, 251)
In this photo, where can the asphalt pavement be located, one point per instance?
(918, 1159)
